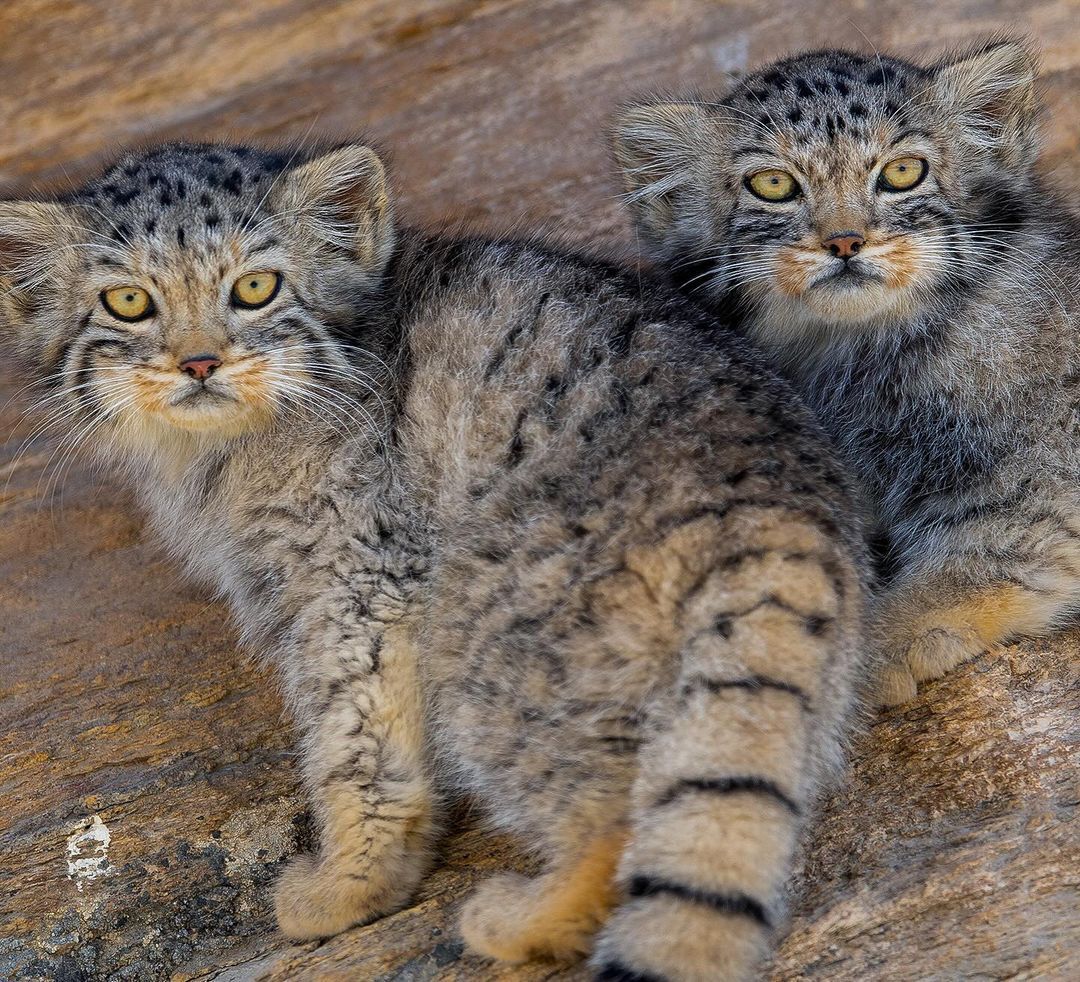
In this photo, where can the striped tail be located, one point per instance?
(769, 664)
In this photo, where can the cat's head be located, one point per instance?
(194, 289)
(833, 192)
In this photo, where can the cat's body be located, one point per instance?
(534, 541)
(880, 227)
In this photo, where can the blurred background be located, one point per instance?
(146, 771)
(492, 109)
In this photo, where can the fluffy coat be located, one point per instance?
(510, 522)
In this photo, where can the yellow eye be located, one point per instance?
(773, 185)
(903, 173)
(128, 303)
(255, 289)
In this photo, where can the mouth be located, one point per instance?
(201, 396)
(847, 277)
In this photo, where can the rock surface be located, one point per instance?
(146, 771)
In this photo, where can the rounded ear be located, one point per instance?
(990, 91)
(34, 239)
(655, 147)
(37, 244)
(342, 198)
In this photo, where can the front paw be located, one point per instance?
(316, 898)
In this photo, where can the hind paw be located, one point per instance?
(509, 918)
(929, 656)
(314, 900)
(555, 916)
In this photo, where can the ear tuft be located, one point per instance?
(342, 197)
(655, 145)
(991, 91)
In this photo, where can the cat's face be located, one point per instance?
(193, 289)
(833, 191)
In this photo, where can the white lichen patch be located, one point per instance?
(88, 851)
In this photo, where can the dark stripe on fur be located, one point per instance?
(729, 785)
(751, 682)
(615, 972)
(736, 904)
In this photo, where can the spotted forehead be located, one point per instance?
(814, 98)
(179, 191)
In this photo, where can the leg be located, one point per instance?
(514, 918)
(365, 768)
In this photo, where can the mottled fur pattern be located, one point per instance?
(512, 523)
(942, 355)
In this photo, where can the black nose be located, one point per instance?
(200, 366)
(844, 244)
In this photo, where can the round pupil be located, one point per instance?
(130, 298)
(253, 284)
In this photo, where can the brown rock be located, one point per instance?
(145, 768)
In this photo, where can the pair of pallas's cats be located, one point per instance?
(523, 525)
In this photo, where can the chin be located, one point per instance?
(795, 325)
(223, 420)
(867, 304)
(176, 432)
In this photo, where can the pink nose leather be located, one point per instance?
(201, 366)
(844, 244)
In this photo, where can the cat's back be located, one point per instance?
(542, 383)
(487, 315)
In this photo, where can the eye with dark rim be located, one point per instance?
(256, 289)
(903, 174)
(773, 185)
(128, 303)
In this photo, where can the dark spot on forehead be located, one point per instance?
(857, 109)
(794, 114)
(774, 79)
(179, 190)
(234, 182)
(881, 75)
(802, 90)
(117, 196)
